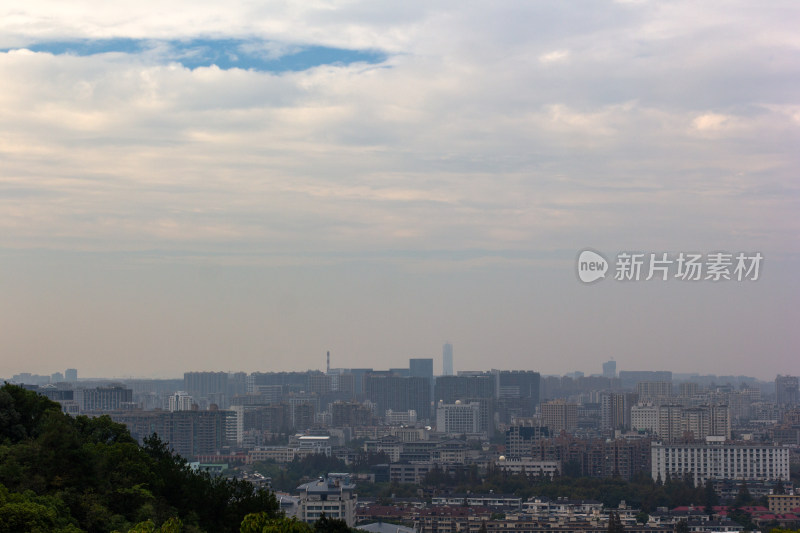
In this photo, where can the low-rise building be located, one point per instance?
(783, 503)
(333, 496)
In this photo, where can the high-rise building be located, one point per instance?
(207, 387)
(688, 389)
(786, 390)
(517, 393)
(458, 418)
(71, 374)
(520, 439)
(319, 384)
(715, 459)
(398, 393)
(615, 410)
(558, 415)
(420, 368)
(629, 378)
(350, 414)
(451, 388)
(180, 401)
(447, 359)
(610, 369)
(104, 398)
(654, 391)
(188, 433)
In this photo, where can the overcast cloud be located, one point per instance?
(430, 177)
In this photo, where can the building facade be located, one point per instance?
(715, 459)
(334, 496)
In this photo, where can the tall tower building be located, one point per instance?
(610, 369)
(786, 390)
(447, 359)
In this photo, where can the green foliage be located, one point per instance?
(59, 473)
(742, 518)
(330, 525)
(615, 523)
(311, 466)
(743, 497)
(265, 523)
(173, 525)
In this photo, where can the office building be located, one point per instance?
(447, 359)
(448, 389)
(398, 394)
(517, 394)
(421, 368)
(610, 369)
(458, 418)
(716, 459)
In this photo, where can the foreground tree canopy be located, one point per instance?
(65, 474)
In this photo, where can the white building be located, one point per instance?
(458, 418)
(333, 495)
(527, 466)
(401, 418)
(672, 422)
(180, 401)
(716, 459)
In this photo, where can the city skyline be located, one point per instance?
(72, 374)
(251, 185)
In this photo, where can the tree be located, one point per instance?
(711, 497)
(743, 497)
(330, 525)
(59, 473)
(615, 523)
(265, 523)
(682, 526)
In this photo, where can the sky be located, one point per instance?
(196, 186)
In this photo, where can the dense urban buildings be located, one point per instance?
(721, 429)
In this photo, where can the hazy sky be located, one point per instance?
(245, 185)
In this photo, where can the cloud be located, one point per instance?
(556, 56)
(461, 136)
